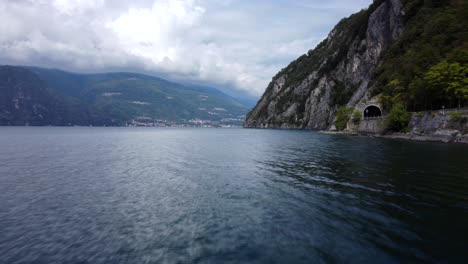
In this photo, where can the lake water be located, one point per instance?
(144, 195)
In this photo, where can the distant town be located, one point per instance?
(149, 122)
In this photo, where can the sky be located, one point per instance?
(234, 44)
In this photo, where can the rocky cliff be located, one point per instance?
(339, 71)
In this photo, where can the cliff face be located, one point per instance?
(337, 72)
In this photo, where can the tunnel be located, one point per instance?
(372, 111)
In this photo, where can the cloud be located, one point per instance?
(158, 32)
(232, 43)
(76, 6)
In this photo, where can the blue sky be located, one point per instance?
(237, 44)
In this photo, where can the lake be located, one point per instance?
(166, 195)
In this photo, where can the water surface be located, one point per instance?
(144, 195)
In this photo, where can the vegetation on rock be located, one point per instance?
(357, 116)
(398, 118)
(343, 115)
(427, 67)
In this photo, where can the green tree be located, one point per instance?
(396, 94)
(398, 118)
(342, 117)
(356, 117)
(435, 31)
(452, 78)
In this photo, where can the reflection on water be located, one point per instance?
(228, 195)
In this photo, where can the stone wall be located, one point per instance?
(438, 122)
(372, 126)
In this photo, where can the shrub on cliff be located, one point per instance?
(342, 117)
(398, 118)
(356, 117)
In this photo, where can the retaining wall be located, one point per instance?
(372, 126)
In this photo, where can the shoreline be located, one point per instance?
(445, 136)
(449, 139)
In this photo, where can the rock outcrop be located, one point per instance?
(338, 71)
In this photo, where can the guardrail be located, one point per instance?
(374, 118)
(449, 110)
(440, 111)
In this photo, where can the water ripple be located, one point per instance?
(108, 195)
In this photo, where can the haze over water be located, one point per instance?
(134, 195)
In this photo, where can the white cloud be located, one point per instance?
(156, 32)
(76, 6)
(234, 43)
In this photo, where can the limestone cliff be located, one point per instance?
(337, 72)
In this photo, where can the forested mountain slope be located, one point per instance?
(36, 96)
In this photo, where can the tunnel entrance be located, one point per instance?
(372, 111)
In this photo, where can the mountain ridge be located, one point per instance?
(114, 99)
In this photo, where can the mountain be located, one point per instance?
(245, 99)
(25, 100)
(409, 52)
(37, 96)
